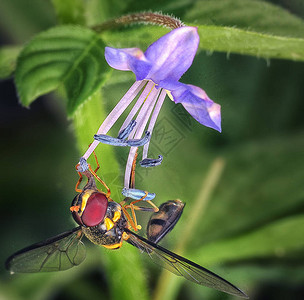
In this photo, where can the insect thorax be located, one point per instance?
(109, 232)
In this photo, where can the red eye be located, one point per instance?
(95, 210)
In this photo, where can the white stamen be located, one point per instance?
(145, 113)
(137, 105)
(141, 121)
(150, 100)
(154, 116)
(116, 113)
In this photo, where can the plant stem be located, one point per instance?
(168, 283)
(140, 18)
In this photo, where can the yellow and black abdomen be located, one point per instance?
(163, 221)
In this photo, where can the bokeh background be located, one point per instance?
(251, 227)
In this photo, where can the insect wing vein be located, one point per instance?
(184, 267)
(54, 254)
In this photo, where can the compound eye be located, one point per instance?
(95, 210)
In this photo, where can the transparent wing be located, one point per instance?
(182, 266)
(59, 253)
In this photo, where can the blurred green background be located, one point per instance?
(252, 227)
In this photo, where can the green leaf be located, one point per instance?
(232, 40)
(250, 15)
(277, 239)
(262, 183)
(8, 57)
(67, 56)
(70, 11)
(252, 277)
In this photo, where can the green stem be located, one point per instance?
(140, 18)
(168, 283)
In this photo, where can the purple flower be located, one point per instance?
(163, 63)
(157, 72)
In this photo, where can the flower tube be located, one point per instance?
(157, 72)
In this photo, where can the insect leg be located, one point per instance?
(98, 166)
(79, 180)
(101, 181)
(129, 219)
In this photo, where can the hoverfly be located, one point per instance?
(107, 223)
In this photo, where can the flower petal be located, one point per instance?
(128, 59)
(172, 54)
(198, 104)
